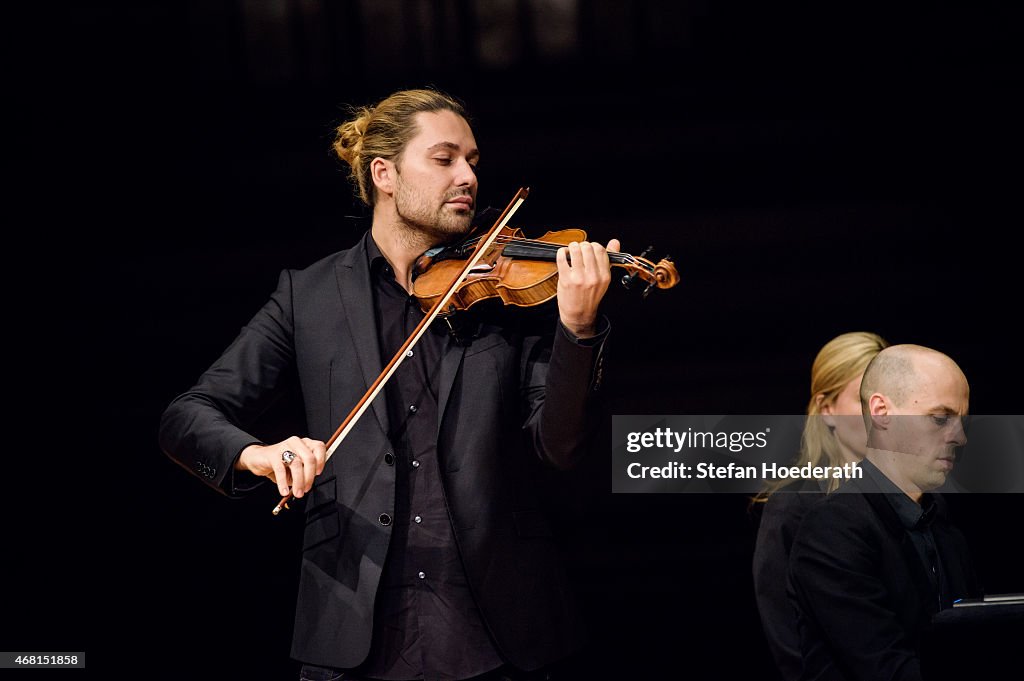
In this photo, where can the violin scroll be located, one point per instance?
(662, 275)
(665, 275)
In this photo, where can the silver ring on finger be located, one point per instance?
(287, 457)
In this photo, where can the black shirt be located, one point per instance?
(426, 622)
(917, 521)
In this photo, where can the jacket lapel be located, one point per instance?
(353, 276)
(450, 364)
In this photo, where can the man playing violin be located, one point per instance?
(426, 553)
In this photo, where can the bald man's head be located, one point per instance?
(913, 400)
(900, 371)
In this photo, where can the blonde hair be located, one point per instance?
(841, 360)
(383, 131)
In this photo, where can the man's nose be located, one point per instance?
(958, 435)
(465, 174)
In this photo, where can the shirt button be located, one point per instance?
(422, 575)
(408, 353)
(389, 459)
(415, 463)
(412, 408)
(418, 519)
(384, 519)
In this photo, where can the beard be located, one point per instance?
(424, 217)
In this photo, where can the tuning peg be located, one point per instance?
(654, 283)
(628, 279)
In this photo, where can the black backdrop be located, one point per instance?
(812, 171)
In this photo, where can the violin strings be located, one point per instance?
(545, 247)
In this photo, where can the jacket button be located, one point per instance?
(384, 519)
(389, 459)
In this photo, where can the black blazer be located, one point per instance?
(780, 520)
(511, 400)
(862, 595)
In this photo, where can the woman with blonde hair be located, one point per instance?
(833, 435)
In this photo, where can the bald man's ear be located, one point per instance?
(879, 410)
(382, 172)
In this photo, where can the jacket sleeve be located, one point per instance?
(205, 429)
(840, 595)
(783, 513)
(561, 379)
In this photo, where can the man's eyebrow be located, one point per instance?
(451, 146)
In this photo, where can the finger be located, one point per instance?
(575, 256)
(588, 255)
(604, 264)
(562, 260)
(613, 246)
(319, 450)
(600, 253)
(297, 469)
(280, 473)
(309, 465)
(302, 468)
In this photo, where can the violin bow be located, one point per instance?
(482, 245)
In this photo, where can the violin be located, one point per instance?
(519, 271)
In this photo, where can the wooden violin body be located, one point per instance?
(519, 271)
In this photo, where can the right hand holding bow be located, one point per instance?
(291, 463)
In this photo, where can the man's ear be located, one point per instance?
(382, 172)
(880, 411)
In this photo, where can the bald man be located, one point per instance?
(875, 561)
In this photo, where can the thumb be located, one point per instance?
(613, 246)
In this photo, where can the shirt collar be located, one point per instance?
(376, 260)
(913, 516)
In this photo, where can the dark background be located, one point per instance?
(813, 168)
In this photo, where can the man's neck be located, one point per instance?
(400, 247)
(885, 462)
